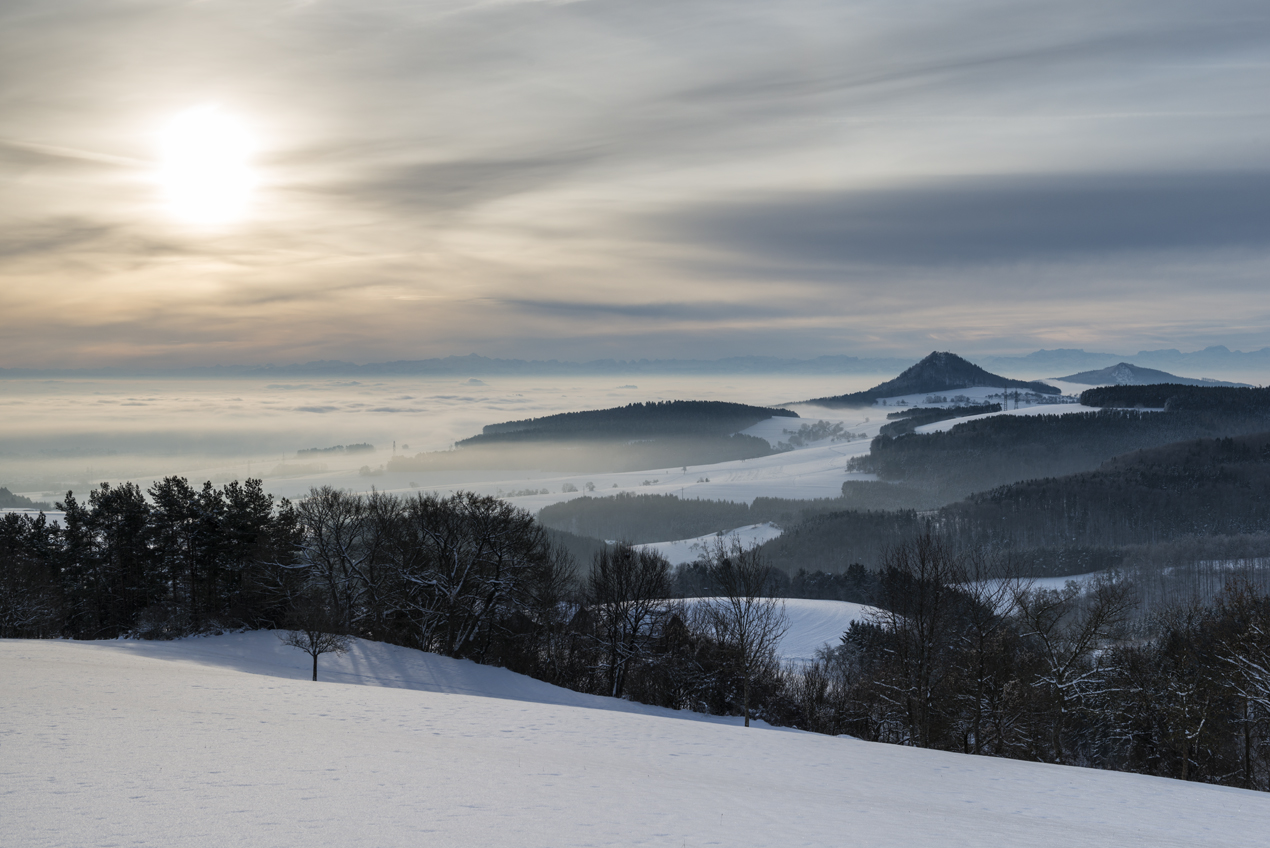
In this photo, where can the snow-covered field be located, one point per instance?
(221, 742)
(689, 550)
(811, 625)
(814, 624)
(1040, 409)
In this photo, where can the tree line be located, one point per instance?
(963, 657)
(641, 519)
(466, 576)
(1175, 396)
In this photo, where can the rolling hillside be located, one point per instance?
(221, 742)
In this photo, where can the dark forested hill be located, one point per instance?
(8, 500)
(939, 372)
(1196, 488)
(657, 419)
(636, 437)
(979, 455)
(1204, 489)
(1128, 374)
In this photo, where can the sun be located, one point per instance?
(205, 168)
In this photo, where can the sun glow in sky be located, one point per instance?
(206, 171)
(251, 181)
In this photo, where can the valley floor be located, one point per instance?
(223, 742)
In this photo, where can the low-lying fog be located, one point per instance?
(64, 434)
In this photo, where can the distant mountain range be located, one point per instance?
(939, 372)
(1040, 362)
(473, 365)
(1127, 374)
(1067, 360)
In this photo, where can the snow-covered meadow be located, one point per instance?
(223, 742)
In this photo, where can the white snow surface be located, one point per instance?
(812, 625)
(181, 744)
(1041, 409)
(689, 550)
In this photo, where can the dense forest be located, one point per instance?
(979, 455)
(1174, 396)
(1211, 487)
(1074, 524)
(640, 519)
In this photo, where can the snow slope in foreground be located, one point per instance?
(121, 743)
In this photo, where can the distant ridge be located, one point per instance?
(939, 372)
(474, 365)
(1128, 374)
(1213, 358)
(1068, 360)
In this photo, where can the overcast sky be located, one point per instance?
(636, 178)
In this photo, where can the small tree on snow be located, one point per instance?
(315, 631)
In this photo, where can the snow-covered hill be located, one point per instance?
(690, 550)
(215, 742)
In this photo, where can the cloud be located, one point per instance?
(988, 220)
(634, 177)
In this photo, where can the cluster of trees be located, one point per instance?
(464, 576)
(857, 584)
(962, 658)
(181, 560)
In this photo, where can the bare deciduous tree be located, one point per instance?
(743, 616)
(919, 605)
(1068, 627)
(315, 630)
(626, 592)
